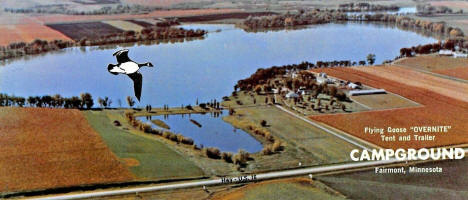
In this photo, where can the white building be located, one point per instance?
(445, 52)
(364, 92)
(292, 95)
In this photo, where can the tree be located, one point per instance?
(101, 102)
(86, 100)
(371, 59)
(130, 101)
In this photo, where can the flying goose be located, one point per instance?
(130, 68)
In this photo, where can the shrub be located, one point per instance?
(241, 157)
(263, 123)
(227, 156)
(277, 146)
(267, 150)
(212, 152)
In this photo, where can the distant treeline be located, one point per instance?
(84, 101)
(38, 46)
(364, 7)
(66, 10)
(427, 9)
(432, 48)
(318, 16)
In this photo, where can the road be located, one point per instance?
(258, 177)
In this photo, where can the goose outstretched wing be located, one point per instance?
(122, 56)
(137, 83)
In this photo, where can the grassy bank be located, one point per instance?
(150, 159)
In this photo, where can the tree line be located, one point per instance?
(318, 16)
(66, 10)
(84, 101)
(18, 49)
(432, 48)
(364, 7)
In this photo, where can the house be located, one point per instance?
(321, 80)
(292, 95)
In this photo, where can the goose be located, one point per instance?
(130, 68)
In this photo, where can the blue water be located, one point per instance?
(204, 69)
(214, 132)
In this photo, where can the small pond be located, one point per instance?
(212, 131)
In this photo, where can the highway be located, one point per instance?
(257, 177)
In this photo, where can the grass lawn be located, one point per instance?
(156, 161)
(294, 188)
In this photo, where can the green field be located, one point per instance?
(156, 160)
(450, 184)
(303, 142)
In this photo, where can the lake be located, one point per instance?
(200, 69)
(214, 132)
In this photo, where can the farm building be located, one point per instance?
(366, 92)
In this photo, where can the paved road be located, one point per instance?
(347, 139)
(263, 176)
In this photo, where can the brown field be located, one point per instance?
(77, 31)
(444, 103)
(431, 62)
(159, 2)
(27, 30)
(461, 72)
(48, 148)
(159, 13)
(384, 101)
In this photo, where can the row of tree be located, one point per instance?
(68, 10)
(432, 48)
(364, 7)
(326, 16)
(38, 46)
(84, 101)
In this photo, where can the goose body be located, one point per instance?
(130, 68)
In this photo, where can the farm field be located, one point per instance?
(461, 72)
(77, 31)
(433, 62)
(149, 159)
(49, 148)
(384, 101)
(292, 188)
(26, 28)
(450, 184)
(124, 25)
(443, 103)
(454, 67)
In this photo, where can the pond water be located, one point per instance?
(200, 69)
(213, 132)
